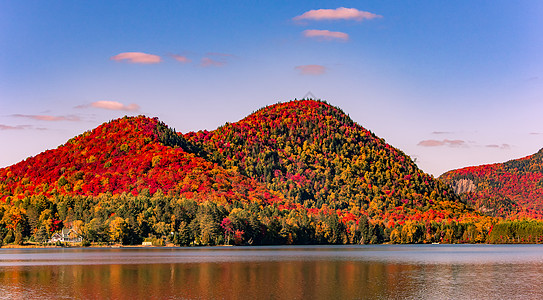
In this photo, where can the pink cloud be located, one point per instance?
(448, 143)
(114, 105)
(209, 62)
(181, 58)
(311, 69)
(341, 13)
(502, 146)
(49, 118)
(325, 34)
(111, 105)
(137, 58)
(17, 127)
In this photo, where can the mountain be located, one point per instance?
(316, 155)
(300, 172)
(129, 155)
(513, 188)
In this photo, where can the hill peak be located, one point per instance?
(317, 155)
(139, 130)
(129, 155)
(299, 110)
(139, 127)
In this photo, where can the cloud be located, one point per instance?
(442, 132)
(180, 58)
(341, 13)
(311, 69)
(48, 117)
(220, 54)
(501, 147)
(137, 58)
(114, 105)
(17, 127)
(536, 133)
(448, 143)
(326, 35)
(111, 105)
(220, 60)
(460, 144)
(209, 62)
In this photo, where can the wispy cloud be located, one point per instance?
(311, 69)
(137, 58)
(16, 127)
(111, 105)
(340, 13)
(209, 62)
(536, 133)
(216, 59)
(501, 147)
(442, 132)
(461, 144)
(445, 142)
(326, 35)
(49, 118)
(180, 58)
(219, 54)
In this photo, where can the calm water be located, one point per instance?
(329, 272)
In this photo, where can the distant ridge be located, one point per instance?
(513, 188)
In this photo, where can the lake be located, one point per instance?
(281, 272)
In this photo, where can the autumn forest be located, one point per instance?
(299, 172)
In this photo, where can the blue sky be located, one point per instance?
(451, 84)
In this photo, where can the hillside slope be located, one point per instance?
(300, 172)
(128, 155)
(315, 154)
(503, 189)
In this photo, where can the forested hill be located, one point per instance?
(315, 154)
(300, 172)
(504, 189)
(131, 155)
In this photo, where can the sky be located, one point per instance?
(452, 84)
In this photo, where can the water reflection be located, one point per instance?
(385, 272)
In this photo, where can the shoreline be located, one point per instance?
(80, 246)
(168, 245)
(218, 246)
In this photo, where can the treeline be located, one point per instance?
(126, 219)
(517, 232)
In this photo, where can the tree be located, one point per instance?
(412, 233)
(184, 236)
(41, 235)
(118, 231)
(395, 236)
(364, 229)
(96, 231)
(9, 238)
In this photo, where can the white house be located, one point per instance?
(67, 235)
